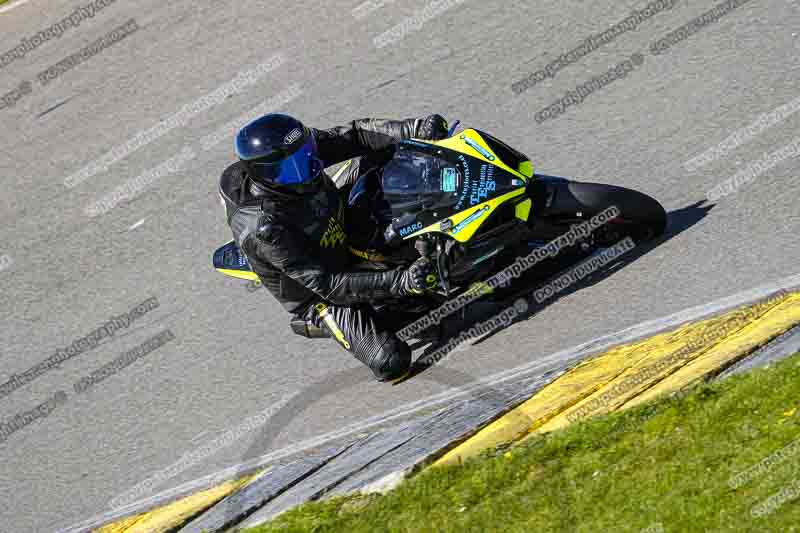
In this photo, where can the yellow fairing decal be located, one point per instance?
(241, 274)
(523, 209)
(458, 143)
(465, 233)
(526, 168)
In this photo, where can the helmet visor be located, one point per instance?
(299, 167)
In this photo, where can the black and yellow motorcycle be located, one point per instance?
(472, 204)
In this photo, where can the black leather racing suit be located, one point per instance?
(298, 245)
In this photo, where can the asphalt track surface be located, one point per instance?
(233, 355)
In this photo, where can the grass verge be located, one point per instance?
(689, 462)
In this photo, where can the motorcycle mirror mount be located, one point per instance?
(453, 128)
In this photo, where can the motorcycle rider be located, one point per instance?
(288, 218)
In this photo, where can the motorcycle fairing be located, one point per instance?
(462, 161)
(461, 226)
(472, 143)
(230, 260)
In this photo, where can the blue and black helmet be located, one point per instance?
(278, 149)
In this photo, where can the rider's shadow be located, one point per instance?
(678, 221)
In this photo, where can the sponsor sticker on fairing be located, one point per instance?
(449, 179)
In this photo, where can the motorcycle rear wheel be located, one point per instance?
(564, 203)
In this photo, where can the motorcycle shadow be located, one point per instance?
(679, 220)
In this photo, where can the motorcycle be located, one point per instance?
(472, 205)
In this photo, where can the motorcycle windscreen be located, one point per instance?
(414, 181)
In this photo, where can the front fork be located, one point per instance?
(432, 247)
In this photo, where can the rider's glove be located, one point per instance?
(418, 278)
(432, 128)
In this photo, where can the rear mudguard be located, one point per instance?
(555, 198)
